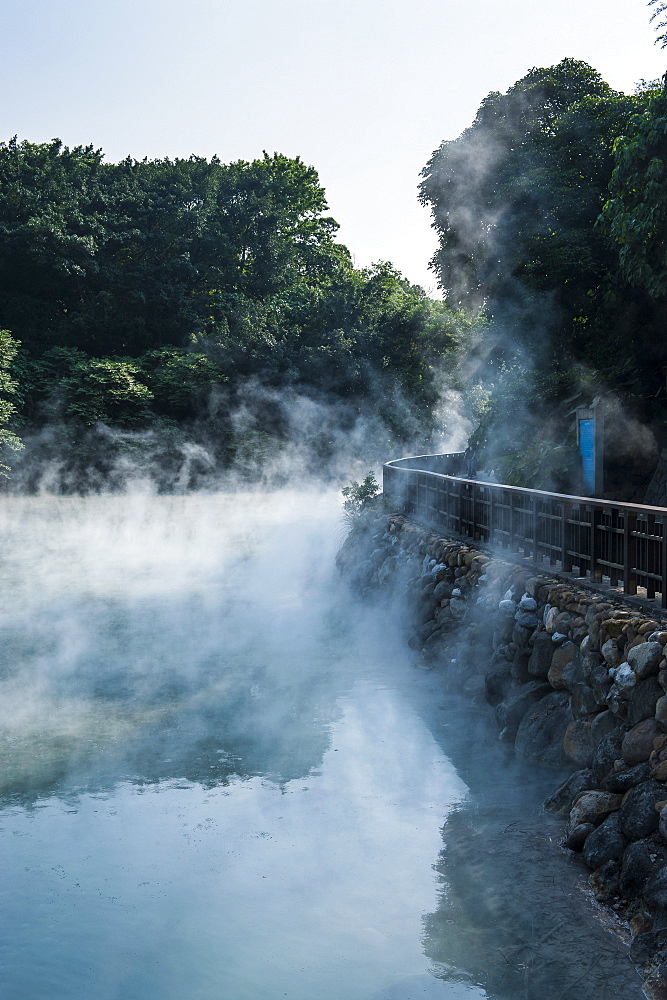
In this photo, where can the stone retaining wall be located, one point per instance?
(577, 679)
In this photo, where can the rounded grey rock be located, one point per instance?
(526, 619)
(607, 843)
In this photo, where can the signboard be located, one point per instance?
(590, 439)
(587, 452)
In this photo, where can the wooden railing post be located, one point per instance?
(459, 506)
(475, 532)
(492, 512)
(565, 559)
(596, 544)
(625, 542)
(629, 553)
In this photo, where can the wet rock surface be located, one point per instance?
(519, 918)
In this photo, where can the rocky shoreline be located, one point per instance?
(577, 679)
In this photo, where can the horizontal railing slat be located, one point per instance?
(628, 540)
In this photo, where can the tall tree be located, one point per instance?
(8, 387)
(660, 11)
(635, 216)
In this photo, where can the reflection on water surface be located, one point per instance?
(221, 778)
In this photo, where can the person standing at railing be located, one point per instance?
(470, 456)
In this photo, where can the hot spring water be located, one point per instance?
(222, 778)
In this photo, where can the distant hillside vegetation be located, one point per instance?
(145, 295)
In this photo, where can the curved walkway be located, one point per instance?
(617, 545)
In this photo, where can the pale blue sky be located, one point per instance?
(363, 90)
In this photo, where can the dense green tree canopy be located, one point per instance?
(635, 216)
(551, 215)
(136, 255)
(8, 388)
(149, 292)
(516, 196)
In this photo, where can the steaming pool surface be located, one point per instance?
(223, 777)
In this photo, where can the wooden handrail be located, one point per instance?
(624, 544)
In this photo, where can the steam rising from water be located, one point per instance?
(222, 776)
(210, 777)
(269, 436)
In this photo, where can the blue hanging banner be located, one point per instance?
(587, 452)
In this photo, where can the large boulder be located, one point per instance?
(540, 659)
(645, 657)
(542, 731)
(611, 653)
(629, 777)
(520, 666)
(607, 843)
(498, 681)
(593, 807)
(643, 699)
(561, 659)
(637, 744)
(589, 659)
(578, 742)
(514, 706)
(600, 681)
(443, 590)
(584, 700)
(645, 946)
(603, 724)
(655, 893)
(642, 861)
(576, 838)
(607, 752)
(638, 816)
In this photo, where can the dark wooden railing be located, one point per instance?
(617, 544)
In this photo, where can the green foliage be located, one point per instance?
(516, 196)
(521, 184)
(142, 289)
(635, 216)
(660, 11)
(171, 296)
(126, 257)
(358, 496)
(178, 380)
(551, 214)
(8, 386)
(101, 389)
(542, 464)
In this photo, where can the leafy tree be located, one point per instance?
(635, 216)
(8, 386)
(515, 197)
(102, 389)
(660, 11)
(177, 380)
(516, 201)
(358, 496)
(143, 289)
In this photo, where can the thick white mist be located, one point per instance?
(218, 780)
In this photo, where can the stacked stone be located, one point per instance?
(444, 578)
(577, 680)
